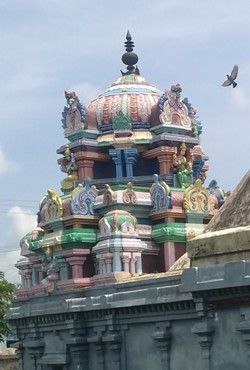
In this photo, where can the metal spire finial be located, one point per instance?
(129, 58)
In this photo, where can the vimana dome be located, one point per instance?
(133, 192)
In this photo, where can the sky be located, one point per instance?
(48, 46)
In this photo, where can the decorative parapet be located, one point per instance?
(124, 199)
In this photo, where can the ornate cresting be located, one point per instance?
(83, 199)
(73, 116)
(173, 110)
(129, 195)
(160, 195)
(108, 195)
(198, 199)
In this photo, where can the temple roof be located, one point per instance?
(236, 210)
(130, 94)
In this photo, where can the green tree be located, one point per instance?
(7, 292)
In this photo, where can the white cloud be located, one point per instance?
(5, 164)
(21, 222)
(85, 91)
(24, 81)
(7, 265)
(241, 97)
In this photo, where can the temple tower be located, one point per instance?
(133, 193)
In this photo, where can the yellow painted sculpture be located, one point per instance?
(69, 166)
(54, 208)
(197, 199)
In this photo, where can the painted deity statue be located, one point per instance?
(69, 166)
(182, 164)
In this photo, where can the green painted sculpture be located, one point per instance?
(183, 166)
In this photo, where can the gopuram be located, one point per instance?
(98, 291)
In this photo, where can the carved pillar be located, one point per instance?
(108, 262)
(113, 343)
(85, 168)
(34, 348)
(28, 278)
(63, 268)
(164, 154)
(88, 168)
(33, 361)
(79, 357)
(39, 271)
(162, 338)
(20, 355)
(77, 266)
(101, 265)
(116, 155)
(85, 161)
(36, 274)
(81, 172)
(169, 254)
(125, 262)
(99, 348)
(139, 264)
(23, 280)
(130, 156)
(117, 266)
(204, 330)
(244, 329)
(76, 258)
(132, 265)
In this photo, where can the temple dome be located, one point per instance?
(132, 96)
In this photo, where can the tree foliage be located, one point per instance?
(7, 291)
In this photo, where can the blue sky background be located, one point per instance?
(47, 46)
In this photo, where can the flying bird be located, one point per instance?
(231, 79)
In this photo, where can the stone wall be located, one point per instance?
(197, 320)
(8, 359)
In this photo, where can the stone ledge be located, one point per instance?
(228, 275)
(220, 247)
